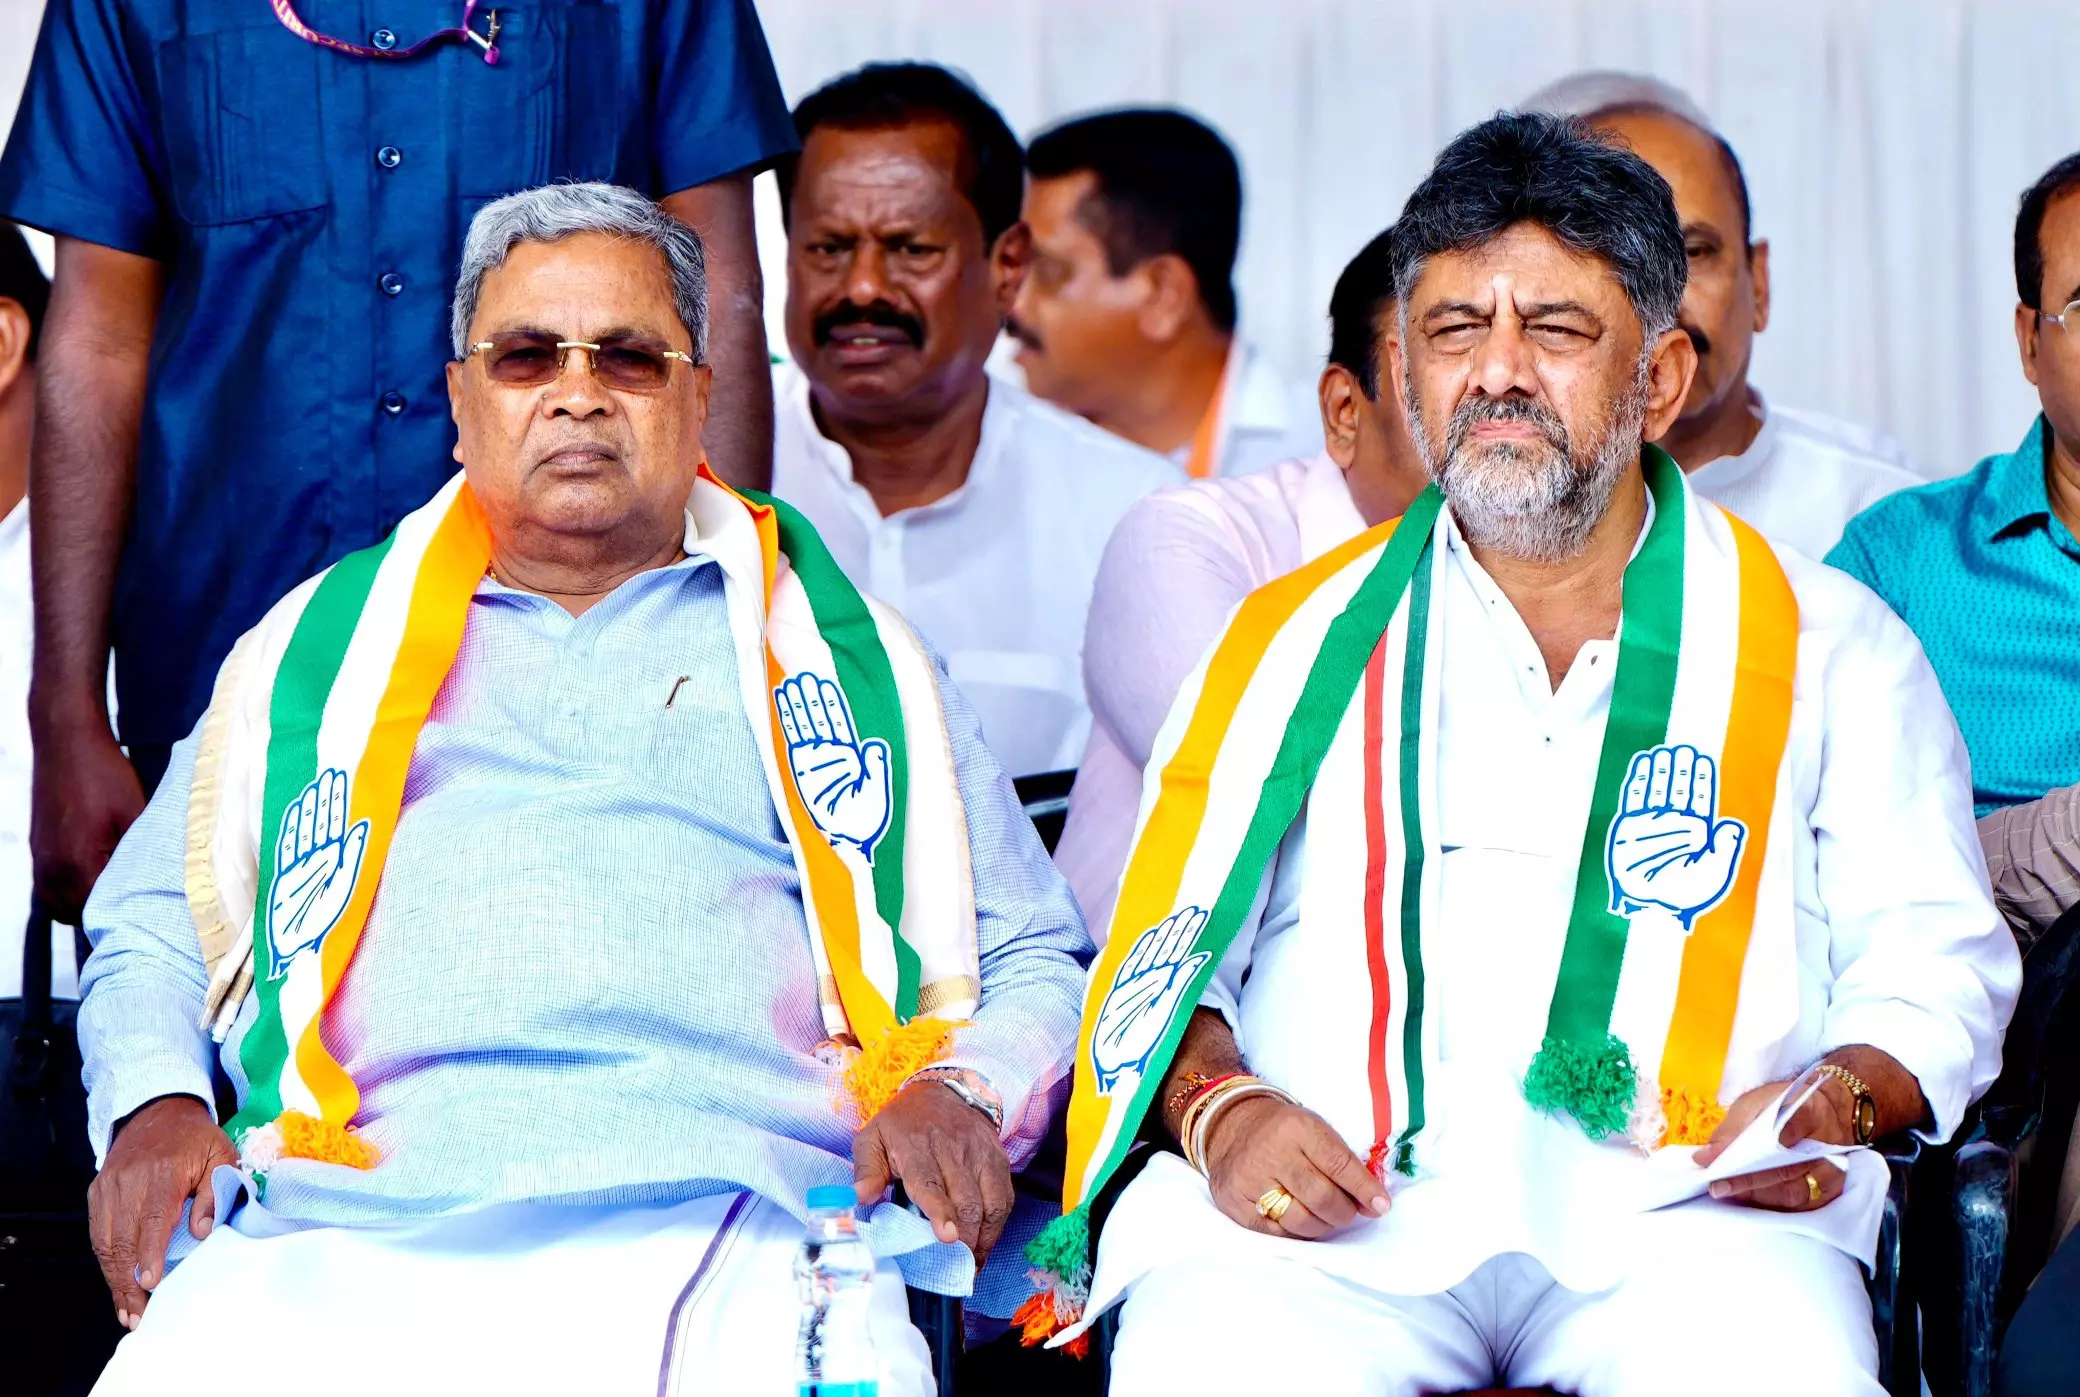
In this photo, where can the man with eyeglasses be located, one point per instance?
(258, 210)
(1986, 567)
(700, 896)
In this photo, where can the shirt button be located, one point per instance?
(391, 283)
(389, 157)
(383, 39)
(393, 402)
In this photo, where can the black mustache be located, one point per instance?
(878, 313)
(1699, 338)
(1022, 332)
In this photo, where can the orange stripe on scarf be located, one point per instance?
(1757, 728)
(830, 886)
(448, 576)
(1156, 866)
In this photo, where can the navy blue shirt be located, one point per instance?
(309, 207)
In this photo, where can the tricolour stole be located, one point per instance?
(1678, 827)
(300, 774)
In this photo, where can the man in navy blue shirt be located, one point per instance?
(258, 218)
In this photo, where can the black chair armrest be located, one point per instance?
(1893, 1315)
(1045, 796)
(940, 1318)
(1982, 1204)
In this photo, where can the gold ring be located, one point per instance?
(1272, 1205)
(1812, 1189)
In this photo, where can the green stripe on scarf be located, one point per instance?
(869, 683)
(303, 684)
(1582, 1069)
(1339, 665)
(1416, 654)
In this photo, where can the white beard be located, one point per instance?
(1534, 500)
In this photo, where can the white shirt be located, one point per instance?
(1805, 476)
(15, 766)
(997, 575)
(1265, 418)
(1898, 941)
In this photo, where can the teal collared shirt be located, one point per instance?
(1989, 579)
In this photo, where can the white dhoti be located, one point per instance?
(1755, 1310)
(521, 1299)
(1785, 1315)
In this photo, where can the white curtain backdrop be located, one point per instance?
(1885, 141)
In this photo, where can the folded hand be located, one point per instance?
(1262, 1142)
(949, 1159)
(1826, 1115)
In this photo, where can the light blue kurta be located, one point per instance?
(587, 976)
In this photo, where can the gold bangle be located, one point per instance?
(1196, 1107)
(1196, 1154)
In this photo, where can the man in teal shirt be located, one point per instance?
(1986, 567)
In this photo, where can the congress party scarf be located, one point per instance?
(301, 767)
(1341, 657)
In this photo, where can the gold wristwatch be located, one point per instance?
(1865, 1111)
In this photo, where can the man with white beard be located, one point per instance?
(1497, 860)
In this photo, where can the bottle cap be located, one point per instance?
(833, 1196)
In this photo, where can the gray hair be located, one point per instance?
(554, 212)
(1605, 90)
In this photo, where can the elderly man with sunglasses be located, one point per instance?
(569, 886)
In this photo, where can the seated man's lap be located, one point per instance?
(1755, 1312)
(1252, 1326)
(523, 1299)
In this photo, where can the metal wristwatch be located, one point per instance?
(969, 1087)
(1865, 1111)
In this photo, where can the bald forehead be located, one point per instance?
(1698, 165)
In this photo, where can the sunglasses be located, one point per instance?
(625, 362)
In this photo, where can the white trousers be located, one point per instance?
(519, 1300)
(1773, 1313)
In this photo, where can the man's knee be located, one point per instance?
(1781, 1312)
(1268, 1325)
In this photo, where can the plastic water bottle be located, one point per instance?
(834, 1273)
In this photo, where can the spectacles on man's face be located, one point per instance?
(627, 362)
(2067, 320)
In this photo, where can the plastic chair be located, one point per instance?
(2001, 1182)
(1045, 796)
(940, 1318)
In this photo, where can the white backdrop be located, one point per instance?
(1886, 143)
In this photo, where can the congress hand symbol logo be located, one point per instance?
(317, 859)
(1144, 995)
(1668, 848)
(844, 781)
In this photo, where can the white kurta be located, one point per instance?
(1805, 476)
(16, 766)
(1897, 938)
(1265, 416)
(997, 575)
